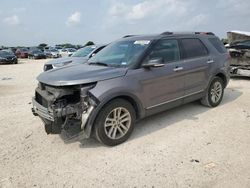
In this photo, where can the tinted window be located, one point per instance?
(218, 45)
(193, 48)
(166, 49)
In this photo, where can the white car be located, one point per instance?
(52, 53)
(67, 52)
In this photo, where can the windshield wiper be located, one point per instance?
(98, 63)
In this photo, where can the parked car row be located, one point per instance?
(53, 52)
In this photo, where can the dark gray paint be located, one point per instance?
(153, 89)
(79, 74)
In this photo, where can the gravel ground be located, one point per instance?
(189, 146)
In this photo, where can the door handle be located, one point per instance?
(178, 69)
(210, 61)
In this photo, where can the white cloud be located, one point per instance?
(235, 7)
(19, 10)
(12, 20)
(74, 19)
(197, 21)
(131, 13)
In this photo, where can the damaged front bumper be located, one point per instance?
(39, 110)
(64, 109)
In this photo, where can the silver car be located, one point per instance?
(130, 79)
(80, 56)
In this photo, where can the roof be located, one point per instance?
(166, 34)
(240, 32)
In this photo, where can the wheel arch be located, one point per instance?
(223, 77)
(132, 99)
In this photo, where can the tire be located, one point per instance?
(110, 130)
(214, 93)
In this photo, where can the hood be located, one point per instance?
(79, 74)
(67, 59)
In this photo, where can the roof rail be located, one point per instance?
(204, 33)
(126, 36)
(167, 33)
(187, 33)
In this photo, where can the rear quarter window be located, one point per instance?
(192, 48)
(218, 45)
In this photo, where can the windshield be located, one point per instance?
(4, 53)
(83, 52)
(121, 53)
(23, 50)
(36, 51)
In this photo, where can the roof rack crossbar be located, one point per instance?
(126, 36)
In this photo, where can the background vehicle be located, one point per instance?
(22, 53)
(67, 52)
(239, 49)
(52, 53)
(36, 54)
(130, 79)
(80, 56)
(7, 57)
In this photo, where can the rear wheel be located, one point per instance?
(214, 93)
(115, 122)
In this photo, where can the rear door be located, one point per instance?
(196, 64)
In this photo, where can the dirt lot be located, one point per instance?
(189, 146)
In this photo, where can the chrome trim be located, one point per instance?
(178, 69)
(42, 111)
(210, 61)
(174, 99)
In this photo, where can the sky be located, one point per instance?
(31, 22)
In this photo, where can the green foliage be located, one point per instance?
(89, 43)
(224, 41)
(42, 45)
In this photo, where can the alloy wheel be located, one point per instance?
(117, 123)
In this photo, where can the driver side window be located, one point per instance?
(165, 49)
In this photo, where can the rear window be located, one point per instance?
(218, 45)
(192, 48)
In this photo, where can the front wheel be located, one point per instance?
(214, 93)
(115, 122)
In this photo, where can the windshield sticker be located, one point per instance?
(142, 42)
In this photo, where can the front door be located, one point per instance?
(161, 85)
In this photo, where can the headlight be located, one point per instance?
(62, 64)
(2, 58)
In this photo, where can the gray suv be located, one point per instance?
(131, 78)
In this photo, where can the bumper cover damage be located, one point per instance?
(64, 108)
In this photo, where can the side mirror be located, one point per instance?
(92, 55)
(153, 63)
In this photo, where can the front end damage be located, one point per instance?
(64, 108)
(240, 62)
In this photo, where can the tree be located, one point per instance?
(224, 41)
(43, 45)
(89, 43)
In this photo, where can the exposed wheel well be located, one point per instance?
(223, 77)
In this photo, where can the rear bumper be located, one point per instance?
(42, 111)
